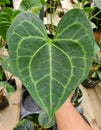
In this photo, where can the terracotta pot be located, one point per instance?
(97, 36)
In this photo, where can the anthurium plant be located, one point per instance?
(95, 71)
(50, 68)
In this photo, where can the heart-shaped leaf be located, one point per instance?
(51, 69)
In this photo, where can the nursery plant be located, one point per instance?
(94, 15)
(95, 72)
(94, 75)
(5, 89)
(7, 82)
(50, 68)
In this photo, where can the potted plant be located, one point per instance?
(6, 87)
(50, 68)
(94, 75)
(94, 15)
(7, 84)
(96, 19)
(3, 99)
(5, 90)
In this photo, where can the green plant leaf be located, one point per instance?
(1, 75)
(96, 49)
(45, 121)
(5, 1)
(93, 25)
(8, 87)
(99, 74)
(88, 9)
(51, 69)
(30, 5)
(7, 15)
(24, 124)
(98, 3)
(45, 3)
(6, 65)
(1, 72)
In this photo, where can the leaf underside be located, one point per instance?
(50, 69)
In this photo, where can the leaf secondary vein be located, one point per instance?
(70, 74)
(33, 25)
(32, 78)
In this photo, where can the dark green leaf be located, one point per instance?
(24, 125)
(45, 120)
(6, 65)
(51, 69)
(8, 87)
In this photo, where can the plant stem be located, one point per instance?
(51, 14)
(94, 15)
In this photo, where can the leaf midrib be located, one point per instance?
(50, 61)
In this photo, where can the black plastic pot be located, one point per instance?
(30, 108)
(34, 118)
(87, 83)
(4, 103)
(28, 105)
(81, 112)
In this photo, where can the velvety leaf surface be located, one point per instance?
(51, 69)
(45, 121)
